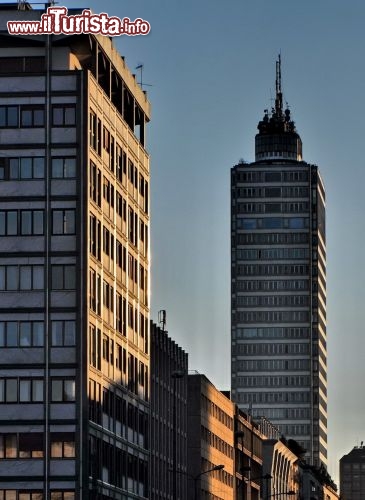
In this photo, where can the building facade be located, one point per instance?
(74, 269)
(169, 387)
(210, 441)
(278, 273)
(352, 474)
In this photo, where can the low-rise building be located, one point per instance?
(210, 441)
(352, 474)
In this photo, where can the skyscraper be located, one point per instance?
(278, 272)
(74, 268)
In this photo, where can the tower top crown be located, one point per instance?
(277, 137)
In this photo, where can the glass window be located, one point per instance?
(11, 390)
(57, 333)
(38, 168)
(69, 388)
(249, 223)
(11, 334)
(26, 118)
(12, 223)
(26, 222)
(2, 223)
(57, 116)
(70, 278)
(57, 221)
(2, 277)
(70, 333)
(12, 277)
(57, 390)
(69, 222)
(38, 120)
(13, 168)
(2, 334)
(12, 116)
(56, 449)
(25, 278)
(70, 167)
(38, 222)
(38, 333)
(57, 168)
(25, 334)
(24, 390)
(38, 278)
(26, 168)
(37, 390)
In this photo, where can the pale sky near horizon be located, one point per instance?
(211, 67)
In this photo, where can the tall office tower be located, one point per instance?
(74, 317)
(278, 272)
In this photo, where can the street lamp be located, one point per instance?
(175, 375)
(198, 476)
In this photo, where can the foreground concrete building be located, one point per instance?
(74, 269)
(278, 256)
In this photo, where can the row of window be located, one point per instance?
(31, 333)
(118, 466)
(271, 300)
(273, 269)
(272, 253)
(271, 208)
(270, 285)
(117, 163)
(31, 222)
(21, 390)
(216, 442)
(272, 192)
(279, 413)
(219, 474)
(35, 495)
(33, 167)
(31, 445)
(252, 365)
(273, 317)
(272, 223)
(114, 412)
(212, 409)
(271, 349)
(278, 381)
(34, 116)
(273, 176)
(272, 332)
(274, 397)
(287, 238)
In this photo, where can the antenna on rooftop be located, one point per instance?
(21, 4)
(140, 67)
(162, 319)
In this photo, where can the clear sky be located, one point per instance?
(211, 65)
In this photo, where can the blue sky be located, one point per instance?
(211, 65)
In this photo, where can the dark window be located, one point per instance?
(9, 116)
(63, 221)
(64, 115)
(63, 277)
(63, 168)
(32, 116)
(63, 333)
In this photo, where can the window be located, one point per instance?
(64, 115)
(21, 333)
(33, 64)
(62, 495)
(63, 445)
(28, 445)
(64, 168)
(64, 277)
(63, 333)
(21, 278)
(14, 390)
(63, 390)
(31, 222)
(32, 116)
(9, 116)
(24, 222)
(23, 168)
(63, 221)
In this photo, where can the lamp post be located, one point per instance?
(198, 476)
(175, 375)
